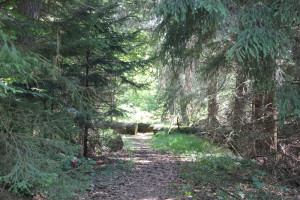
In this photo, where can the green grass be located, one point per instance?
(185, 144)
(214, 168)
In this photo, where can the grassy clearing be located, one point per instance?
(185, 144)
(216, 173)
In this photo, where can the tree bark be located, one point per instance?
(212, 93)
(187, 91)
(264, 114)
(86, 128)
(183, 103)
(30, 8)
(239, 101)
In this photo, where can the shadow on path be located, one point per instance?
(145, 174)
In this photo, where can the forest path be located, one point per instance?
(143, 174)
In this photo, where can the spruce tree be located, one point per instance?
(256, 34)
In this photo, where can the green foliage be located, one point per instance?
(143, 104)
(259, 32)
(45, 105)
(289, 101)
(107, 138)
(19, 67)
(184, 144)
(179, 9)
(231, 177)
(35, 155)
(32, 138)
(216, 168)
(209, 167)
(252, 37)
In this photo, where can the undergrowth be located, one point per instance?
(185, 144)
(212, 172)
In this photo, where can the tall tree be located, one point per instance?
(249, 30)
(44, 106)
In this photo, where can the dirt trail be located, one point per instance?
(145, 174)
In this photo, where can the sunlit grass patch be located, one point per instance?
(185, 144)
(215, 172)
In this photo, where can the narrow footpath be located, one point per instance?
(140, 174)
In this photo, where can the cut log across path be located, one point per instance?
(186, 130)
(145, 128)
(123, 128)
(157, 128)
(183, 129)
(134, 128)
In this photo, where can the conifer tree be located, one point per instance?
(58, 61)
(256, 34)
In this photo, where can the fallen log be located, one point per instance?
(157, 128)
(123, 128)
(186, 130)
(145, 128)
(178, 130)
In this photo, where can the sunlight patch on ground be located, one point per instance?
(144, 161)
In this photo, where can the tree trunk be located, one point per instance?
(296, 51)
(85, 140)
(183, 103)
(188, 81)
(86, 128)
(212, 93)
(264, 115)
(183, 109)
(257, 109)
(271, 124)
(30, 8)
(239, 101)
(123, 128)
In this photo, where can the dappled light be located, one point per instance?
(149, 99)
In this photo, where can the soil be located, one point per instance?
(143, 174)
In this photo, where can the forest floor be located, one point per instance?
(140, 173)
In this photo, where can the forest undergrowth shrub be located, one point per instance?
(111, 140)
(217, 173)
(105, 141)
(36, 158)
(259, 145)
(232, 177)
